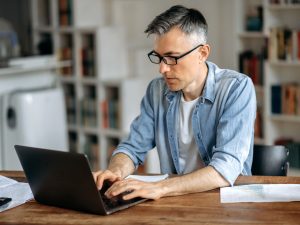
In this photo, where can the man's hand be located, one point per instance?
(200, 180)
(119, 167)
(100, 176)
(150, 190)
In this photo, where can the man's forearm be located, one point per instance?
(121, 165)
(201, 180)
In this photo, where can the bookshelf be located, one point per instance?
(251, 52)
(101, 101)
(119, 107)
(277, 39)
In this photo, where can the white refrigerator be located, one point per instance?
(34, 118)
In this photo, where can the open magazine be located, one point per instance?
(19, 192)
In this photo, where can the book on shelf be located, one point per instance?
(88, 55)
(91, 149)
(298, 101)
(285, 99)
(251, 64)
(89, 112)
(296, 42)
(65, 12)
(284, 44)
(71, 109)
(289, 99)
(87, 62)
(258, 126)
(70, 101)
(110, 108)
(110, 114)
(45, 44)
(254, 18)
(276, 99)
(65, 54)
(104, 110)
(73, 142)
(113, 113)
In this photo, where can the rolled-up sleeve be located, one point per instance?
(235, 130)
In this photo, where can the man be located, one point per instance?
(200, 117)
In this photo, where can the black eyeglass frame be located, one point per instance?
(162, 58)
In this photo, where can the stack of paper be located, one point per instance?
(17, 191)
(261, 193)
(148, 178)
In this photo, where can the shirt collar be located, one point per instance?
(209, 87)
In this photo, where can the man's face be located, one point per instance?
(186, 75)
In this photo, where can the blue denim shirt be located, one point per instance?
(222, 121)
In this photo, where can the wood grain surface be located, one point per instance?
(199, 208)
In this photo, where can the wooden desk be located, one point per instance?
(200, 208)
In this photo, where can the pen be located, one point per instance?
(4, 200)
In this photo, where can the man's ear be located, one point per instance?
(204, 52)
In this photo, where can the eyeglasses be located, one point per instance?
(169, 60)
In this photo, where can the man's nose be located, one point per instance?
(163, 67)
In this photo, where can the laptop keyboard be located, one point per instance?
(115, 201)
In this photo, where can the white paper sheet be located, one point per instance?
(261, 193)
(4, 181)
(149, 178)
(19, 192)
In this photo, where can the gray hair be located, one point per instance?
(190, 21)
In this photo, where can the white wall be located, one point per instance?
(135, 15)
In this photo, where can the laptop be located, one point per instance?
(64, 179)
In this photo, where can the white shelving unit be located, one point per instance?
(276, 127)
(101, 101)
(253, 44)
(282, 15)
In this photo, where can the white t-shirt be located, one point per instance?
(189, 156)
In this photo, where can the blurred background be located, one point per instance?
(73, 72)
